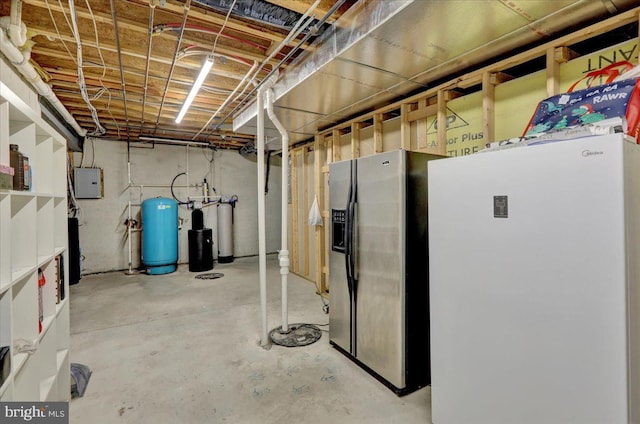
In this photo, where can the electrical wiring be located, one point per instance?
(224, 24)
(103, 65)
(99, 130)
(58, 32)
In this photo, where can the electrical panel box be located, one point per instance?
(88, 183)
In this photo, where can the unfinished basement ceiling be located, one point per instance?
(365, 54)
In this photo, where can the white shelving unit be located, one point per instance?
(33, 232)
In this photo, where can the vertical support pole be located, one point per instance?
(307, 205)
(553, 73)
(442, 123)
(405, 127)
(377, 133)
(355, 139)
(488, 108)
(318, 161)
(295, 208)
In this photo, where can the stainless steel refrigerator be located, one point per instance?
(379, 266)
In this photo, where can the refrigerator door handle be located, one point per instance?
(347, 233)
(353, 254)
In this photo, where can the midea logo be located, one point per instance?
(587, 153)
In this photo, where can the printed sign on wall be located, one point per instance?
(515, 102)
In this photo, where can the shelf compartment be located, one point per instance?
(19, 274)
(26, 382)
(19, 360)
(5, 241)
(24, 313)
(61, 357)
(49, 290)
(5, 329)
(48, 389)
(44, 227)
(45, 357)
(6, 391)
(60, 228)
(42, 175)
(63, 379)
(23, 134)
(4, 132)
(59, 171)
(62, 324)
(23, 231)
(5, 319)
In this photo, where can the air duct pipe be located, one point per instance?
(283, 255)
(12, 38)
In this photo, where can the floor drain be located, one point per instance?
(210, 276)
(298, 335)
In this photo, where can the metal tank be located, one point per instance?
(160, 235)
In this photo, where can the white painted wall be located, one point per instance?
(102, 230)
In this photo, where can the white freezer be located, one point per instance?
(534, 301)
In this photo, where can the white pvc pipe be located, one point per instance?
(129, 239)
(20, 60)
(262, 245)
(283, 255)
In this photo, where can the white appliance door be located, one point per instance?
(380, 242)
(527, 285)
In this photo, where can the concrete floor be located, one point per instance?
(174, 349)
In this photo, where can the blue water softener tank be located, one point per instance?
(160, 235)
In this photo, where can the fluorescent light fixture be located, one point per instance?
(206, 67)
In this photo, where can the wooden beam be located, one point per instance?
(553, 73)
(405, 127)
(335, 145)
(488, 108)
(564, 54)
(319, 232)
(295, 243)
(442, 123)
(377, 133)
(355, 139)
(305, 208)
(499, 77)
(422, 112)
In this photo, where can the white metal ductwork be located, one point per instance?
(380, 50)
(14, 46)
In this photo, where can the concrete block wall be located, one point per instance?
(103, 235)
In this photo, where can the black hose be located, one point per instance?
(173, 194)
